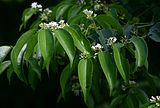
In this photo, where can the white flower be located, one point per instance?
(39, 6)
(46, 14)
(97, 7)
(97, 47)
(61, 22)
(132, 82)
(34, 5)
(47, 11)
(44, 25)
(111, 40)
(155, 100)
(53, 25)
(89, 13)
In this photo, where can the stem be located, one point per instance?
(146, 25)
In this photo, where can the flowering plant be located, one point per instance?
(96, 47)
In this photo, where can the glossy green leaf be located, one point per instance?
(154, 32)
(118, 100)
(101, 20)
(4, 50)
(34, 65)
(140, 95)
(65, 39)
(90, 103)
(18, 52)
(30, 46)
(132, 101)
(75, 20)
(10, 72)
(78, 41)
(74, 10)
(61, 10)
(46, 45)
(108, 21)
(121, 62)
(32, 78)
(36, 23)
(109, 68)
(104, 34)
(121, 10)
(141, 50)
(34, 73)
(85, 71)
(4, 65)
(27, 14)
(64, 78)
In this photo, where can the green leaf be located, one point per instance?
(27, 14)
(146, 105)
(104, 34)
(61, 10)
(18, 52)
(32, 78)
(101, 20)
(141, 50)
(46, 45)
(90, 102)
(109, 68)
(10, 72)
(121, 62)
(85, 71)
(140, 95)
(132, 101)
(30, 46)
(78, 41)
(4, 65)
(34, 73)
(74, 10)
(4, 50)
(64, 78)
(36, 23)
(120, 10)
(108, 21)
(154, 32)
(65, 39)
(118, 100)
(34, 65)
(75, 20)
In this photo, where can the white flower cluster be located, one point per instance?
(89, 13)
(37, 6)
(53, 25)
(84, 55)
(98, 5)
(96, 48)
(46, 13)
(111, 40)
(155, 100)
(76, 88)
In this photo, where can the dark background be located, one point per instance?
(10, 18)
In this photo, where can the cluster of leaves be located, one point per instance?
(114, 75)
